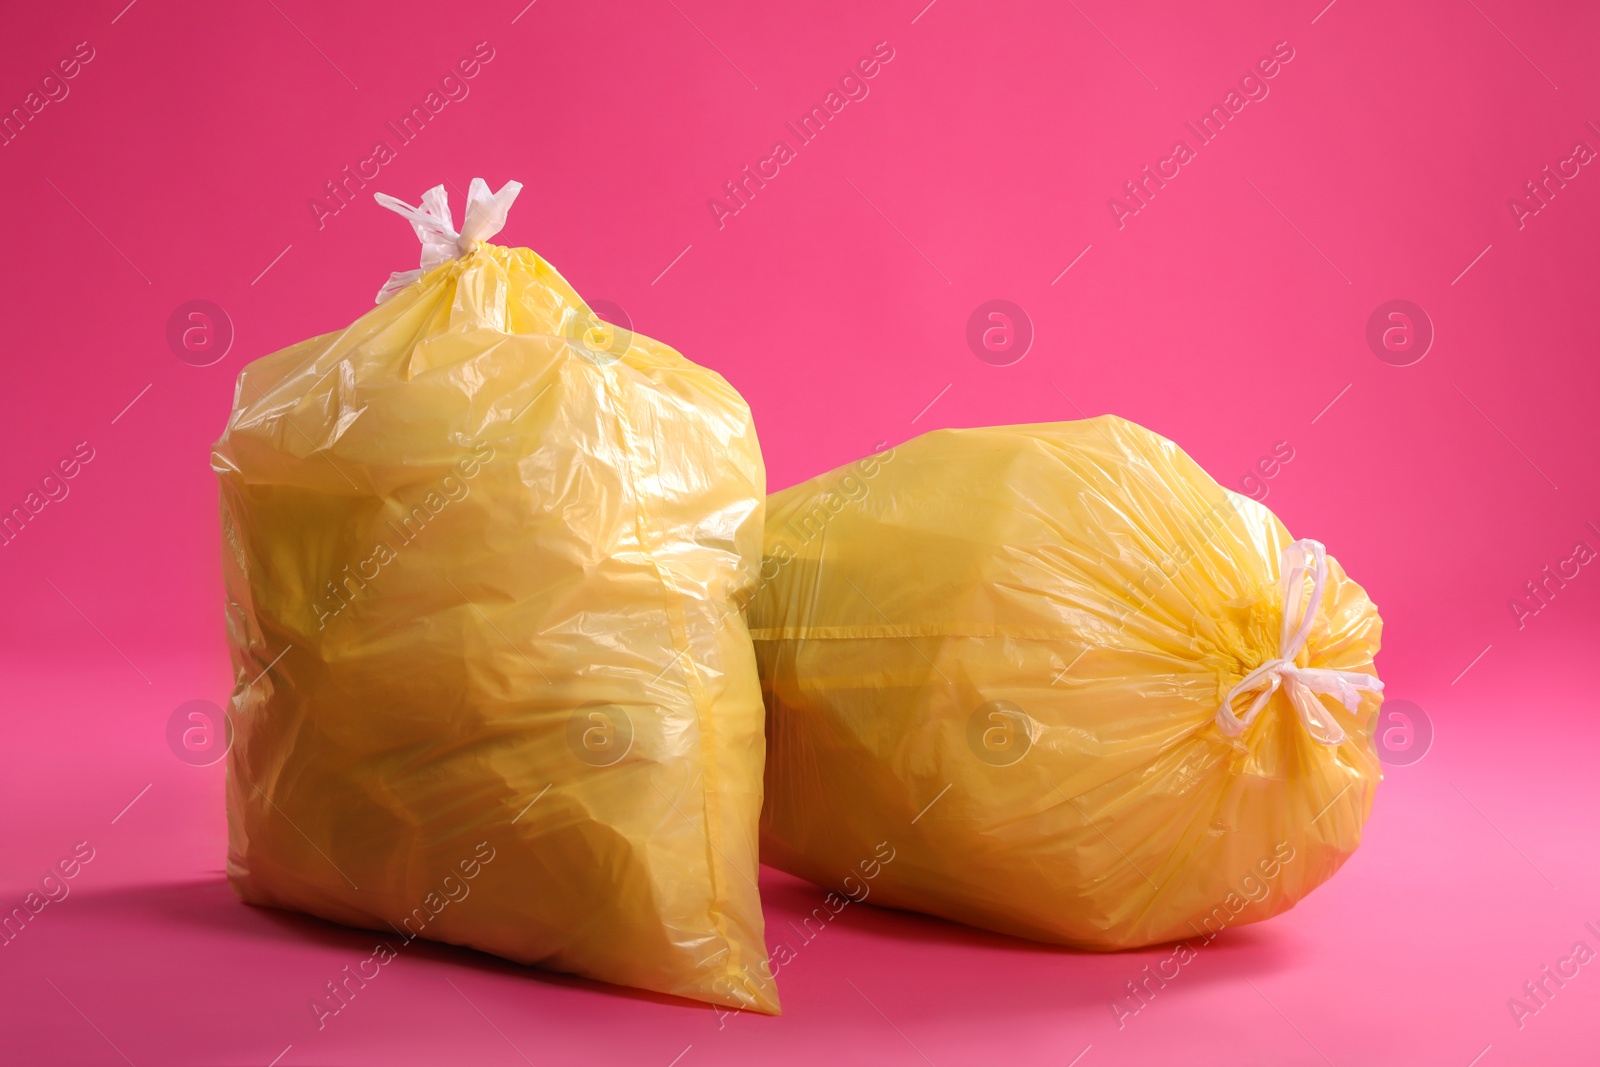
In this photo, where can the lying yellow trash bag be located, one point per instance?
(491, 687)
(1064, 674)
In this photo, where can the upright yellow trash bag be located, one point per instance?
(492, 686)
(1084, 693)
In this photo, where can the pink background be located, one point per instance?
(1228, 314)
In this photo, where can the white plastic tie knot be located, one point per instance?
(486, 216)
(1300, 684)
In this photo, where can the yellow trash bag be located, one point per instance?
(1073, 683)
(491, 684)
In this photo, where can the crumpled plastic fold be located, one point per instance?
(1003, 651)
(483, 555)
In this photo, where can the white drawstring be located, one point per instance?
(486, 216)
(1300, 684)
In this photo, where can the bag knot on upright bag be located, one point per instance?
(492, 684)
(485, 216)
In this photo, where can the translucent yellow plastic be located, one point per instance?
(482, 555)
(1002, 651)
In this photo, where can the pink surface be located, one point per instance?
(1388, 160)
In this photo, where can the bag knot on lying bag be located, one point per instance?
(492, 687)
(1302, 560)
(1083, 692)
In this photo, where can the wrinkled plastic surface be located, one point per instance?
(481, 551)
(1002, 650)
